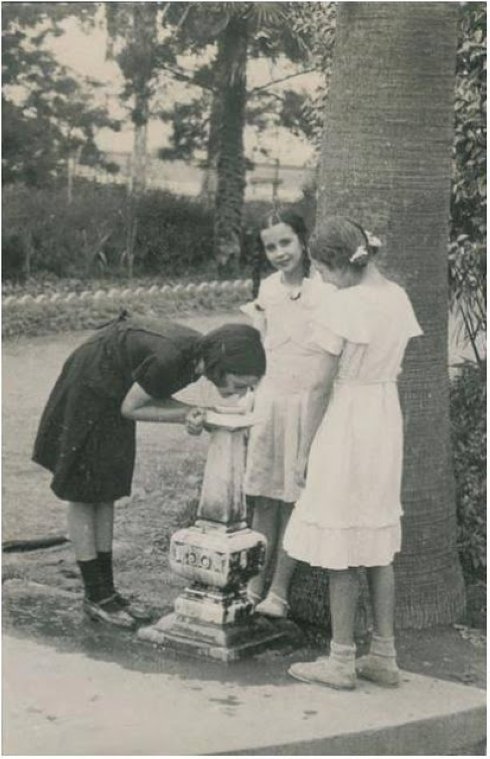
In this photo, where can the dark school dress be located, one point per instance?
(83, 439)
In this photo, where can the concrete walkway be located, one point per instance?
(70, 704)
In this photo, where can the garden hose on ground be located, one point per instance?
(33, 544)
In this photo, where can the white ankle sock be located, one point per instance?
(384, 647)
(342, 651)
(277, 597)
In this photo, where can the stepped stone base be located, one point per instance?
(225, 643)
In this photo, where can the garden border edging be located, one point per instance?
(177, 292)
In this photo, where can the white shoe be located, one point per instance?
(254, 597)
(325, 671)
(382, 670)
(273, 606)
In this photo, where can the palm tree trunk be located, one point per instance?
(231, 82)
(386, 161)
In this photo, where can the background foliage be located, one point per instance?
(57, 116)
(48, 114)
(468, 420)
(87, 238)
(467, 247)
(43, 233)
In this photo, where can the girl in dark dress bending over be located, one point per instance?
(127, 371)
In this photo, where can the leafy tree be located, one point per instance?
(240, 32)
(316, 22)
(135, 42)
(467, 250)
(468, 201)
(468, 427)
(48, 114)
(150, 38)
(189, 128)
(132, 42)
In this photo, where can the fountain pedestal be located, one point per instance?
(213, 616)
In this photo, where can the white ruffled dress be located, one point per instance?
(349, 511)
(284, 318)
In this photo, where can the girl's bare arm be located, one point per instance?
(141, 407)
(317, 405)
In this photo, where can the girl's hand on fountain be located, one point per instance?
(194, 421)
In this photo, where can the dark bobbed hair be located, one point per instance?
(334, 241)
(232, 349)
(291, 217)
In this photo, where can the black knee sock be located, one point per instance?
(92, 580)
(104, 560)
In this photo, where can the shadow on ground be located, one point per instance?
(54, 616)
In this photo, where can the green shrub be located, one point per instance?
(44, 233)
(468, 421)
(174, 234)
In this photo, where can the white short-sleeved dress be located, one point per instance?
(349, 511)
(281, 400)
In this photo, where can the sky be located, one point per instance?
(85, 54)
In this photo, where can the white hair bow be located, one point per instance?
(373, 241)
(360, 252)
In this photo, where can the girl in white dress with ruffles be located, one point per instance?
(349, 512)
(293, 388)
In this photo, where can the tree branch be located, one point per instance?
(278, 81)
(470, 333)
(186, 77)
(184, 16)
(165, 10)
(269, 94)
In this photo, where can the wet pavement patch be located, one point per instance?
(53, 614)
(56, 619)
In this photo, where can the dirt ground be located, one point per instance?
(42, 591)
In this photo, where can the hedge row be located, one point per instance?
(43, 232)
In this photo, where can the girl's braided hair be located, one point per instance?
(293, 219)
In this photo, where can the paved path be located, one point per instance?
(67, 703)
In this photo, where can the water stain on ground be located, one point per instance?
(229, 701)
(60, 622)
(56, 618)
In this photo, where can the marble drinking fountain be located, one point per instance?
(213, 617)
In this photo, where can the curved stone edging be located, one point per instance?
(175, 292)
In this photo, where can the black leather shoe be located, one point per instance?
(109, 611)
(138, 611)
